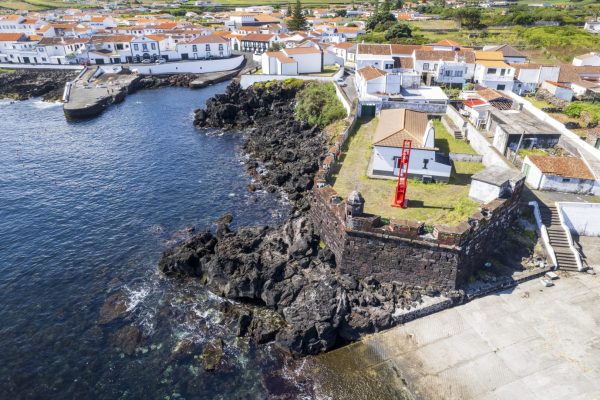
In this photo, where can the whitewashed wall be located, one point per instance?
(180, 67)
(581, 218)
(491, 156)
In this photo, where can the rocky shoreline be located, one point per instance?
(285, 269)
(23, 84)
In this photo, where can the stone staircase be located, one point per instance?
(558, 239)
(451, 128)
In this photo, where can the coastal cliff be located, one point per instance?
(284, 268)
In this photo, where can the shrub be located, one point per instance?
(589, 111)
(317, 104)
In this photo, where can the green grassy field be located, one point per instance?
(447, 143)
(429, 203)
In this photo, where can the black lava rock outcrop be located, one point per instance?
(285, 153)
(299, 298)
(158, 81)
(285, 270)
(21, 84)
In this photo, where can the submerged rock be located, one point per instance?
(212, 355)
(128, 338)
(114, 307)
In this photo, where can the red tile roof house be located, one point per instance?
(561, 174)
(396, 125)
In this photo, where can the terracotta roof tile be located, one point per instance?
(567, 167)
(370, 73)
(396, 125)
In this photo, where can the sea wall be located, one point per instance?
(180, 67)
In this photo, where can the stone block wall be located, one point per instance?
(401, 251)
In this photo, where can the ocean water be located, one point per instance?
(86, 208)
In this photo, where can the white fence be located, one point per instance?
(180, 67)
(581, 218)
(491, 156)
(41, 66)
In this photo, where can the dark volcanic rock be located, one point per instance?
(300, 299)
(21, 84)
(212, 355)
(128, 338)
(289, 151)
(157, 81)
(114, 307)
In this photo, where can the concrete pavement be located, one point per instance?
(531, 343)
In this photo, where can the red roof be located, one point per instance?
(474, 102)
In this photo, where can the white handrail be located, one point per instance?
(543, 232)
(569, 238)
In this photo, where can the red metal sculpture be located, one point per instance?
(400, 199)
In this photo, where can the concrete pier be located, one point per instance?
(90, 95)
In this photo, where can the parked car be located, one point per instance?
(341, 82)
(161, 61)
(147, 61)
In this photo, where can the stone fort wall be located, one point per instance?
(400, 251)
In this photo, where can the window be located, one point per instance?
(565, 180)
(447, 72)
(389, 66)
(220, 47)
(435, 67)
(425, 66)
(502, 72)
(144, 47)
(119, 46)
(194, 48)
(153, 45)
(501, 87)
(458, 74)
(492, 70)
(597, 145)
(425, 162)
(136, 47)
(207, 47)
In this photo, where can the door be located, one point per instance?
(597, 145)
(184, 56)
(501, 87)
(367, 111)
(99, 61)
(26, 60)
(526, 170)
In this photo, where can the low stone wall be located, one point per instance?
(466, 157)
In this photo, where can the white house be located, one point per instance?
(510, 54)
(397, 125)
(202, 47)
(62, 50)
(558, 90)
(111, 49)
(493, 182)
(592, 27)
(146, 47)
(345, 50)
(293, 61)
(491, 71)
(591, 59)
(445, 67)
(529, 77)
(258, 42)
(561, 174)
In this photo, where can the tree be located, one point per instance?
(275, 46)
(398, 31)
(379, 18)
(341, 13)
(387, 7)
(398, 5)
(298, 22)
(289, 10)
(470, 17)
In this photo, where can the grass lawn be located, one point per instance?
(538, 103)
(328, 70)
(7, 71)
(532, 152)
(429, 203)
(448, 143)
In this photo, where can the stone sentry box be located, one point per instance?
(443, 258)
